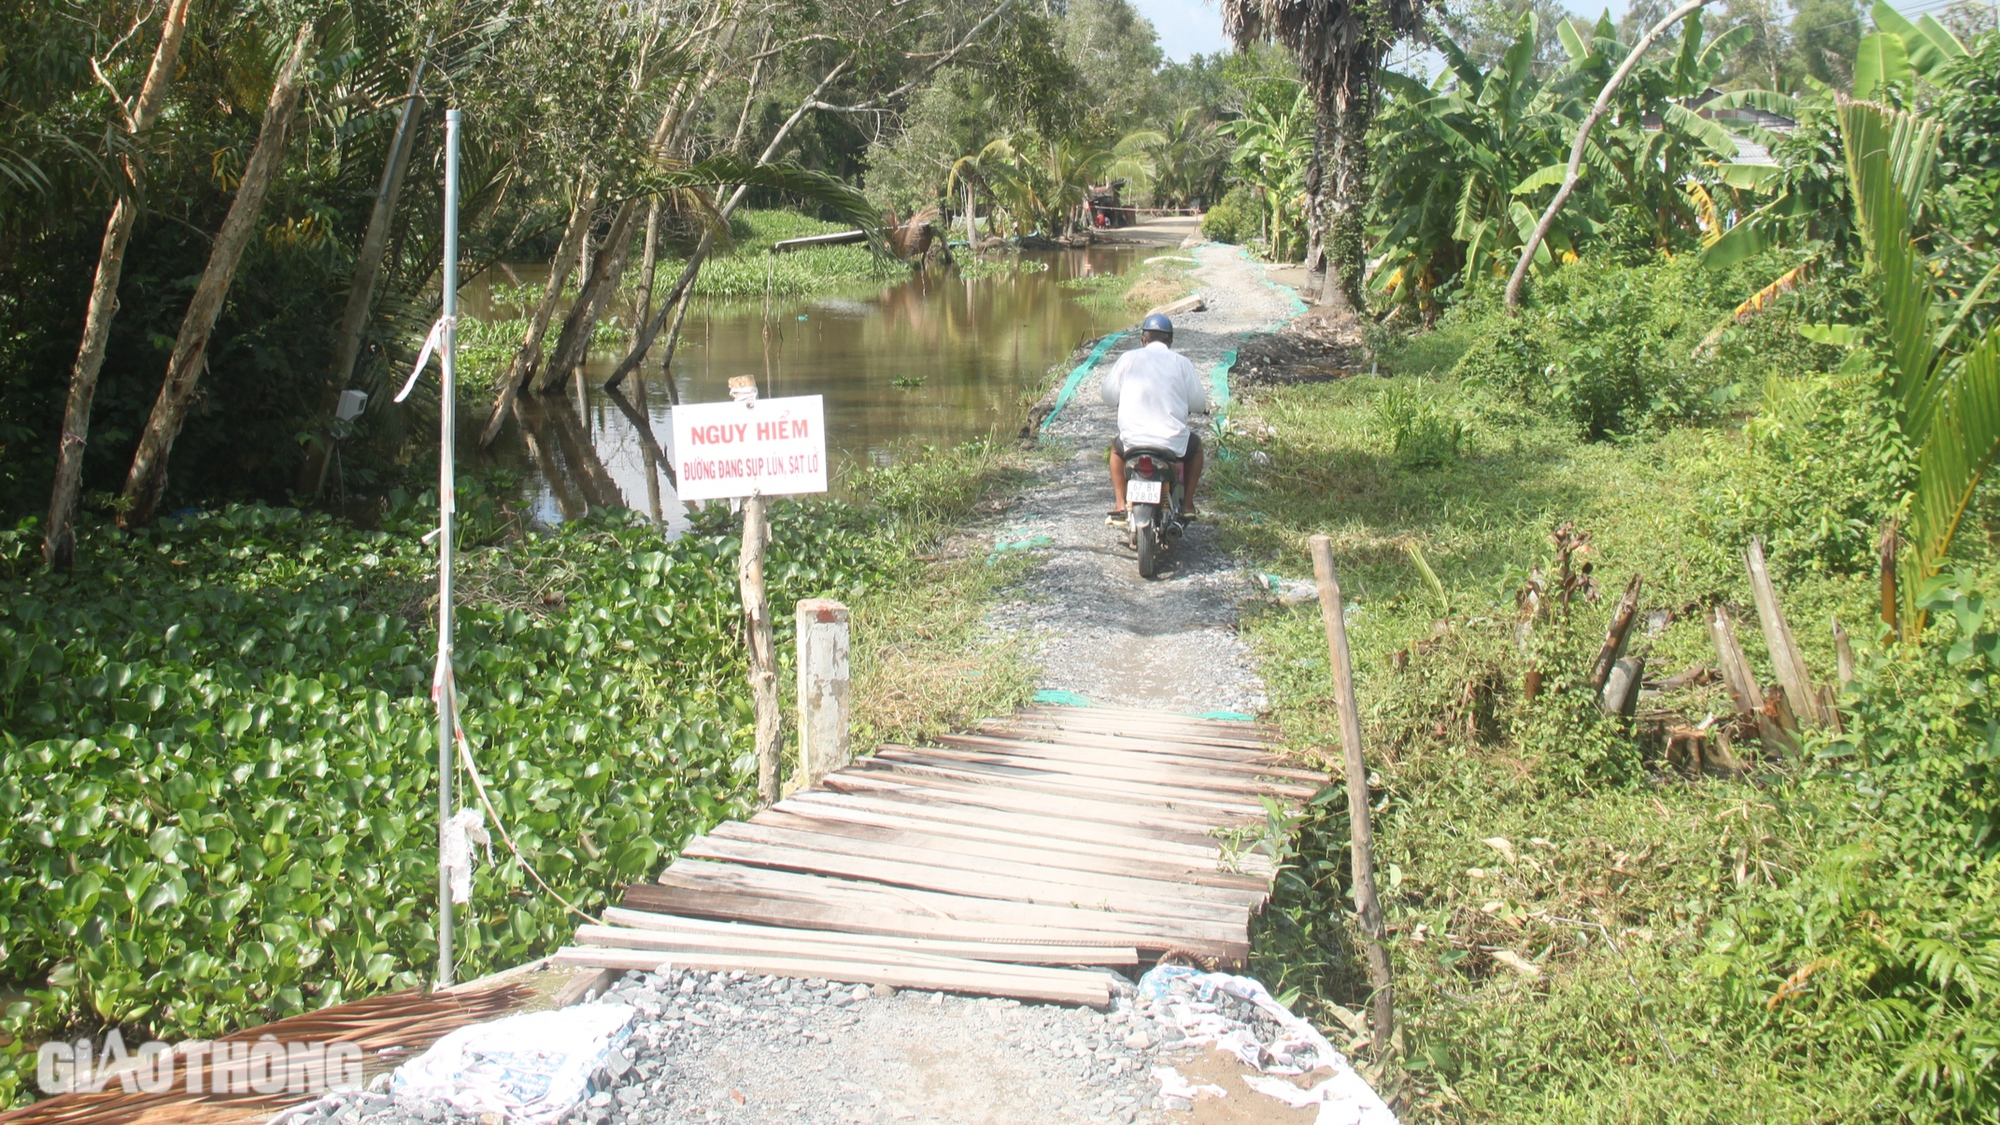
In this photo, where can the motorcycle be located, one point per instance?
(1152, 489)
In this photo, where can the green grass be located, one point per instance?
(1624, 877)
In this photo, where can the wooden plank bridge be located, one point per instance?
(1001, 862)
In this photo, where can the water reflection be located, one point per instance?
(936, 360)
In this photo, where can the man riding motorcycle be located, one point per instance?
(1155, 389)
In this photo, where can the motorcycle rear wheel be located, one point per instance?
(1147, 531)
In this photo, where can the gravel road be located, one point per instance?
(1106, 634)
(730, 1047)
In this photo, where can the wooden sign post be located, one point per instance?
(753, 449)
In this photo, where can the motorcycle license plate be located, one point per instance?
(1142, 491)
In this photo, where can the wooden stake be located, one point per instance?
(1736, 673)
(1886, 550)
(1620, 696)
(1844, 652)
(1744, 691)
(1786, 663)
(1616, 635)
(1359, 823)
(757, 624)
(823, 689)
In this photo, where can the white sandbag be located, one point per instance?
(530, 1068)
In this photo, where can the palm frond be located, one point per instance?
(1959, 443)
(1770, 101)
(844, 200)
(1726, 44)
(1883, 153)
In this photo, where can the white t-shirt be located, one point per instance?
(1154, 389)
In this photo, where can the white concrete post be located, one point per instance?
(823, 687)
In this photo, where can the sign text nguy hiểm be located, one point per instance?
(763, 447)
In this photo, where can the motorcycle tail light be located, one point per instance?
(1145, 466)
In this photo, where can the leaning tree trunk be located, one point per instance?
(1575, 169)
(367, 269)
(147, 479)
(649, 264)
(59, 542)
(605, 274)
(529, 355)
(651, 329)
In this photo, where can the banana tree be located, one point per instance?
(1944, 386)
(1274, 140)
(1467, 159)
(1812, 186)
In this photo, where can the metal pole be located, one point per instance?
(447, 503)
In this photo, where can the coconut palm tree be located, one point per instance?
(1042, 181)
(1340, 45)
(1189, 160)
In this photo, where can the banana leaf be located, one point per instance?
(1881, 61)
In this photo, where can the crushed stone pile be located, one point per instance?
(1321, 346)
(733, 1047)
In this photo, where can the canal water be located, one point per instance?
(936, 360)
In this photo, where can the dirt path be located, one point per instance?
(1104, 633)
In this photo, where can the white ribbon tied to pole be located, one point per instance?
(431, 344)
(466, 828)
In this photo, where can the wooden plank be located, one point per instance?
(580, 985)
(1023, 953)
(954, 881)
(1003, 844)
(1159, 737)
(1053, 777)
(1191, 826)
(1199, 743)
(1224, 727)
(1212, 743)
(1132, 928)
(1202, 809)
(989, 859)
(1110, 748)
(1214, 734)
(1082, 762)
(954, 807)
(1087, 989)
(670, 943)
(887, 919)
